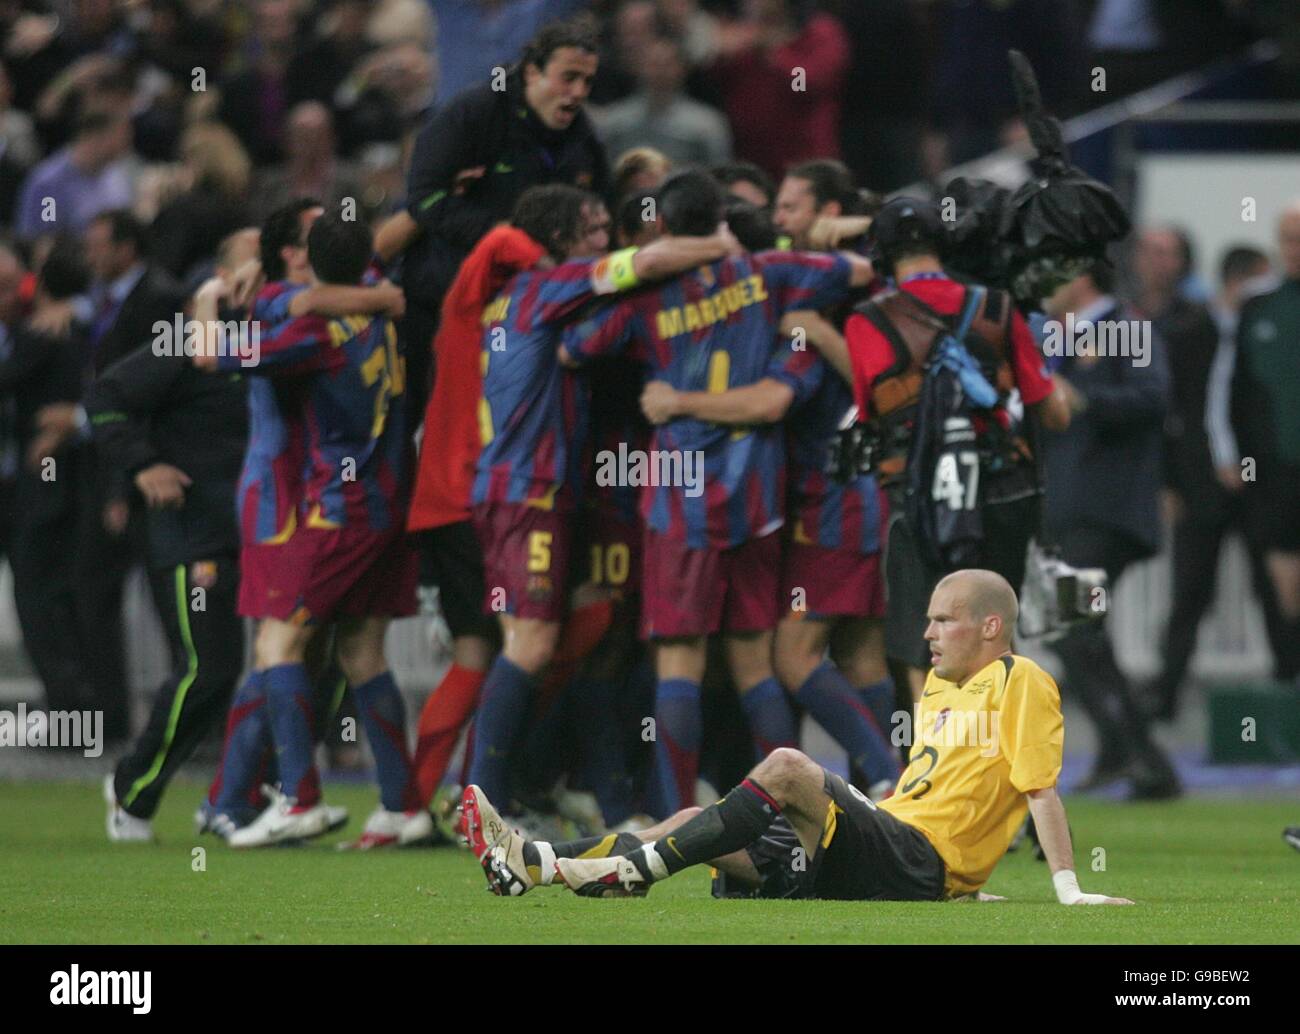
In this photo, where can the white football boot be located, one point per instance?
(222, 825)
(122, 827)
(283, 820)
(498, 847)
(392, 828)
(337, 816)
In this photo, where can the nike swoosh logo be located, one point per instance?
(672, 842)
(933, 692)
(503, 167)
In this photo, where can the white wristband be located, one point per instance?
(1067, 887)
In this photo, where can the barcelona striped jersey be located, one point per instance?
(711, 329)
(348, 377)
(533, 412)
(823, 511)
(271, 481)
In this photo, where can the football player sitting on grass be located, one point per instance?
(986, 749)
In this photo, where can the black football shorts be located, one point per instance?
(865, 855)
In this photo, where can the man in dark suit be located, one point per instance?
(127, 297)
(1102, 504)
(45, 367)
(127, 294)
(1201, 507)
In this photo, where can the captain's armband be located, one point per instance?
(614, 272)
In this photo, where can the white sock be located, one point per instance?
(546, 856)
(658, 870)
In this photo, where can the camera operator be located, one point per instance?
(1102, 506)
(889, 342)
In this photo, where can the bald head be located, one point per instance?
(972, 619)
(986, 594)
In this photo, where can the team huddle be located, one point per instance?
(630, 486)
(763, 549)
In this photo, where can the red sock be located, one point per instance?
(448, 706)
(583, 630)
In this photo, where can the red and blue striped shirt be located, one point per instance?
(533, 412)
(271, 482)
(346, 377)
(826, 512)
(711, 329)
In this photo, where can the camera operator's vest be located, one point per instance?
(913, 328)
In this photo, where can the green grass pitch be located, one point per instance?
(1202, 871)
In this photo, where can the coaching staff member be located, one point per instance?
(521, 129)
(178, 435)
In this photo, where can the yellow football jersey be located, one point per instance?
(977, 750)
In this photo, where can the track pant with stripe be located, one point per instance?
(207, 647)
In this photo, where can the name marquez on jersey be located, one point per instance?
(682, 319)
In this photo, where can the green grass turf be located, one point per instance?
(1202, 871)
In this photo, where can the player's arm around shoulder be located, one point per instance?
(383, 298)
(664, 258)
(764, 402)
(823, 334)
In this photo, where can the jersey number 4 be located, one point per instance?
(949, 485)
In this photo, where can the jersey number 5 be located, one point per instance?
(539, 552)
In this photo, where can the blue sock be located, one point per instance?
(503, 704)
(288, 691)
(830, 699)
(248, 735)
(771, 721)
(384, 714)
(677, 744)
(879, 698)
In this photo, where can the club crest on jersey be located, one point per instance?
(203, 574)
(941, 718)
